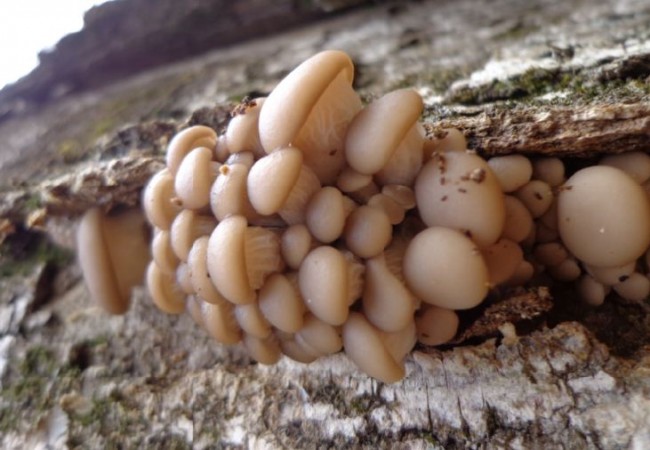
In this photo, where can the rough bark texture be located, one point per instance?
(566, 78)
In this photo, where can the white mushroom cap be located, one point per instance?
(113, 254)
(187, 140)
(298, 112)
(604, 217)
(444, 268)
(610, 276)
(458, 190)
(635, 164)
(591, 291)
(386, 133)
(184, 278)
(229, 193)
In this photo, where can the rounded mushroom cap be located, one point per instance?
(113, 254)
(197, 261)
(295, 243)
(537, 196)
(378, 130)
(187, 227)
(326, 213)
(635, 164)
(227, 261)
(550, 253)
(164, 291)
(610, 276)
(229, 193)
(512, 171)
(281, 303)
(364, 345)
(318, 337)
(435, 326)
(298, 112)
(263, 350)
(163, 253)
(567, 270)
(252, 321)
(502, 260)
(272, 178)
(458, 190)
(187, 140)
(323, 281)
(219, 321)
(444, 268)
(604, 217)
(159, 202)
(242, 133)
(367, 231)
(635, 288)
(549, 170)
(591, 291)
(452, 141)
(519, 222)
(195, 176)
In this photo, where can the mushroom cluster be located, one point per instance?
(316, 224)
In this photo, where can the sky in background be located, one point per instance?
(29, 26)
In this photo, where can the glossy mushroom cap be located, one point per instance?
(242, 133)
(604, 217)
(186, 141)
(159, 200)
(298, 111)
(635, 164)
(165, 292)
(113, 254)
(194, 178)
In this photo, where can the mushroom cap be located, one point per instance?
(550, 253)
(326, 213)
(512, 171)
(163, 253)
(567, 270)
(263, 350)
(378, 130)
(164, 291)
(159, 201)
(113, 254)
(502, 259)
(591, 291)
(604, 217)
(436, 326)
(281, 303)
(458, 190)
(610, 276)
(635, 164)
(187, 140)
(537, 196)
(227, 260)
(194, 177)
(635, 288)
(229, 194)
(272, 178)
(364, 345)
(295, 243)
(549, 170)
(219, 321)
(318, 337)
(323, 281)
(242, 133)
(444, 268)
(197, 261)
(519, 222)
(187, 227)
(367, 231)
(252, 321)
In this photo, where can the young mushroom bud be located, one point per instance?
(365, 346)
(113, 254)
(394, 200)
(591, 291)
(635, 164)
(609, 276)
(318, 337)
(298, 112)
(295, 243)
(164, 291)
(444, 268)
(448, 140)
(549, 170)
(367, 231)
(187, 227)
(280, 183)
(326, 213)
(159, 200)
(357, 186)
(194, 178)
(537, 196)
(184, 278)
(219, 321)
(519, 222)
(229, 192)
(242, 133)
(604, 217)
(293, 350)
(502, 260)
(436, 326)
(263, 350)
(281, 303)
(512, 171)
(241, 257)
(163, 253)
(635, 288)
(458, 190)
(186, 141)
(197, 261)
(252, 321)
(567, 270)
(385, 140)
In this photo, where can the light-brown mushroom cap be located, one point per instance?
(197, 261)
(604, 217)
(610, 276)
(537, 196)
(280, 183)
(319, 88)
(567, 270)
(387, 303)
(444, 268)
(393, 210)
(458, 190)
(164, 291)
(635, 164)
(252, 321)
(591, 291)
(295, 351)
(502, 259)
(550, 254)
(323, 281)
(326, 213)
(367, 231)
(523, 273)
(163, 253)
(159, 200)
(435, 325)
(549, 170)
(452, 141)
(635, 288)
(229, 193)
(295, 243)
(263, 350)
(242, 133)
(364, 346)
(187, 227)
(184, 278)
(512, 171)
(377, 132)
(219, 321)
(318, 337)
(187, 140)
(113, 253)
(194, 178)
(281, 303)
(519, 222)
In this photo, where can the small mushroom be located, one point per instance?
(367, 231)
(197, 261)
(318, 337)
(512, 171)
(159, 200)
(194, 178)
(591, 291)
(186, 141)
(299, 112)
(502, 260)
(519, 223)
(567, 270)
(242, 133)
(219, 321)
(184, 278)
(164, 291)
(187, 227)
(163, 253)
(436, 326)
(635, 164)
(241, 257)
(604, 217)
(296, 242)
(252, 321)
(444, 268)
(609, 276)
(635, 288)
(326, 213)
(281, 303)
(357, 186)
(458, 190)
(385, 140)
(550, 254)
(365, 346)
(537, 196)
(549, 170)
(280, 183)
(229, 192)
(263, 350)
(448, 140)
(113, 254)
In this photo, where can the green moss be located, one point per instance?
(70, 151)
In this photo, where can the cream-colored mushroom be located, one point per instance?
(512, 171)
(635, 164)
(194, 178)
(281, 303)
(163, 253)
(537, 196)
(186, 141)
(159, 200)
(367, 231)
(242, 133)
(318, 337)
(436, 326)
(187, 227)
(219, 321)
(326, 213)
(549, 170)
(295, 243)
(165, 292)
